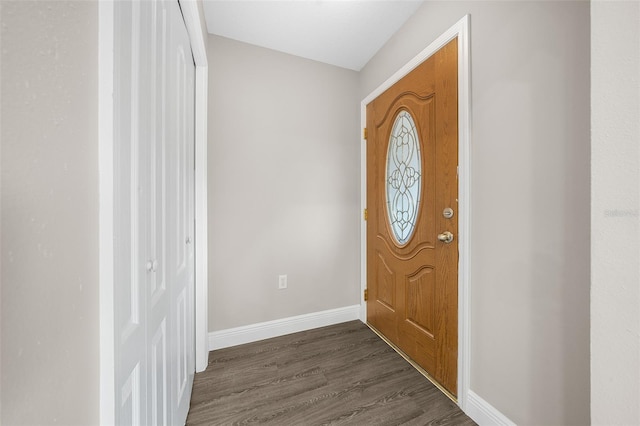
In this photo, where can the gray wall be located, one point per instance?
(49, 225)
(283, 185)
(530, 158)
(615, 222)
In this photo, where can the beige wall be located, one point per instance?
(530, 198)
(283, 185)
(49, 220)
(615, 223)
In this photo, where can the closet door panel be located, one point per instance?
(130, 237)
(155, 77)
(180, 171)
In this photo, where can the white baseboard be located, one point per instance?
(484, 413)
(266, 330)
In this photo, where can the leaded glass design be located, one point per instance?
(404, 168)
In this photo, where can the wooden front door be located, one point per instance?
(412, 204)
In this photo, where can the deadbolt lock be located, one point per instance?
(447, 213)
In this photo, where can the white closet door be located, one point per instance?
(130, 202)
(154, 288)
(158, 290)
(180, 211)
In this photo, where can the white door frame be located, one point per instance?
(106, 212)
(461, 30)
(196, 35)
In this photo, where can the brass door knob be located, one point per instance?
(446, 237)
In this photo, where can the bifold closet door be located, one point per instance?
(179, 166)
(153, 196)
(131, 205)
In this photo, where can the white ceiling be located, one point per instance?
(345, 33)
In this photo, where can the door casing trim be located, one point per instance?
(196, 36)
(461, 30)
(106, 202)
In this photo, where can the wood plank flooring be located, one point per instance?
(337, 375)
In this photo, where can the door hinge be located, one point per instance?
(366, 294)
(365, 214)
(364, 133)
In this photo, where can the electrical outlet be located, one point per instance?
(282, 282)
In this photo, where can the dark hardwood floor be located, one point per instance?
(342, 374)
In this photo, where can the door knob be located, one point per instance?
(446, 237)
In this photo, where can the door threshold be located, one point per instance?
(414, 364)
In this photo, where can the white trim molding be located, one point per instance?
(266, 330)
(484, 413)
(191, 16)
(460, 30)
(192, 20)
(202, 221)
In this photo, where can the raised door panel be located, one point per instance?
(181, 372)
(156, 76)
(382, 299)
(386, 289)
(131, 397)
(157, 31)
(179, 205)
(420, 300)
(130, 234)
(159, 377)
(417, 335)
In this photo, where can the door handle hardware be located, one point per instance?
(152, 265)
(446, 237)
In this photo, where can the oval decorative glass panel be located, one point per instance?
(404, 168)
